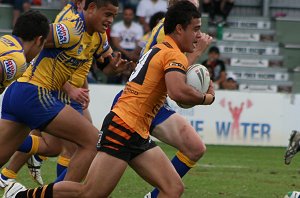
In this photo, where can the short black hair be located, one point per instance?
(214, 49)
(30, 25)
(181, 13)
(101, 3)
(129, 7)
(156, 17)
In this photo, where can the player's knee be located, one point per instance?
(173, 189)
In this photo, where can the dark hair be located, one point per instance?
(181, 13)
(214, 49)
(155, 18)
(128, 7)
(30, 25)
(101, 3)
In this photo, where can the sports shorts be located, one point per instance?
(31, 105)
(164, 112)
(117, 139)
(63, 97)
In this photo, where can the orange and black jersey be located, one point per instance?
(146, 91)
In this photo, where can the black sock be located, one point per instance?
(40, 192)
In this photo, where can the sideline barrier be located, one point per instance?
(266, 119)
(257, 119)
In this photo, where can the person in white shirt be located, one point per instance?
(146, 8)
(125, 36)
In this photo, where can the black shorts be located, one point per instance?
(119, 140)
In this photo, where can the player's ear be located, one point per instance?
(179, 28)
(91, 7)
(39, 41)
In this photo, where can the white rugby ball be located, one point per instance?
(198, 77)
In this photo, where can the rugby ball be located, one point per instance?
(198, 77)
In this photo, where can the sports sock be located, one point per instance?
(61, 177)
(40, 192)
(8, 174)
(40, 158)
(30, 144)
(182, 164)
(62, 164)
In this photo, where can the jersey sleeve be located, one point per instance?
(9, 66)
(67, 33)
(103, 47)
(175, 61)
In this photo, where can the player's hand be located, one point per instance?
(211, 89)
(202, 43)
(80, 95)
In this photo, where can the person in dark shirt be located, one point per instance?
(216, 67)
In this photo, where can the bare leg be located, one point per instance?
(12, 135)
(96, 175)
(83, 133)
(177, 132)
(155, 168)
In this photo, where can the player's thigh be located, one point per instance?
(154, 166)
(177, 131)
(104, 168)
(12, 135)
(70, 125)
(87, 115)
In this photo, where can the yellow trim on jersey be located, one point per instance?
(9, 173)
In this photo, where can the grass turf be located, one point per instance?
(224, 171)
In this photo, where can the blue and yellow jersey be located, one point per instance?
(12, 60)
(66, 13)
(74, 50)
(157, 36)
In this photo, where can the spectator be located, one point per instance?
(19, 6)
(230, 83)
(125, 36)
(216, 67)
(146, 8)
(218, 7)
(154, 20)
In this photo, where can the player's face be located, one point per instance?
(103, 17)
(190, 35)
(80, 5)
(128, 16)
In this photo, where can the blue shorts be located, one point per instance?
(164, 112)
(63, 97)
(31, 105)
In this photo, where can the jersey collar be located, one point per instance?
(82, 18)
(171, 42)
(18, 39)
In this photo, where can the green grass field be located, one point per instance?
(224, 171)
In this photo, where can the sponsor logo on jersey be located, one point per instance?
(105, 45)
(176, 64)
(80, 49)
(10, 69)
(7, 42)
(62, 34)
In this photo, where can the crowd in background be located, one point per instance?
(128, 35)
